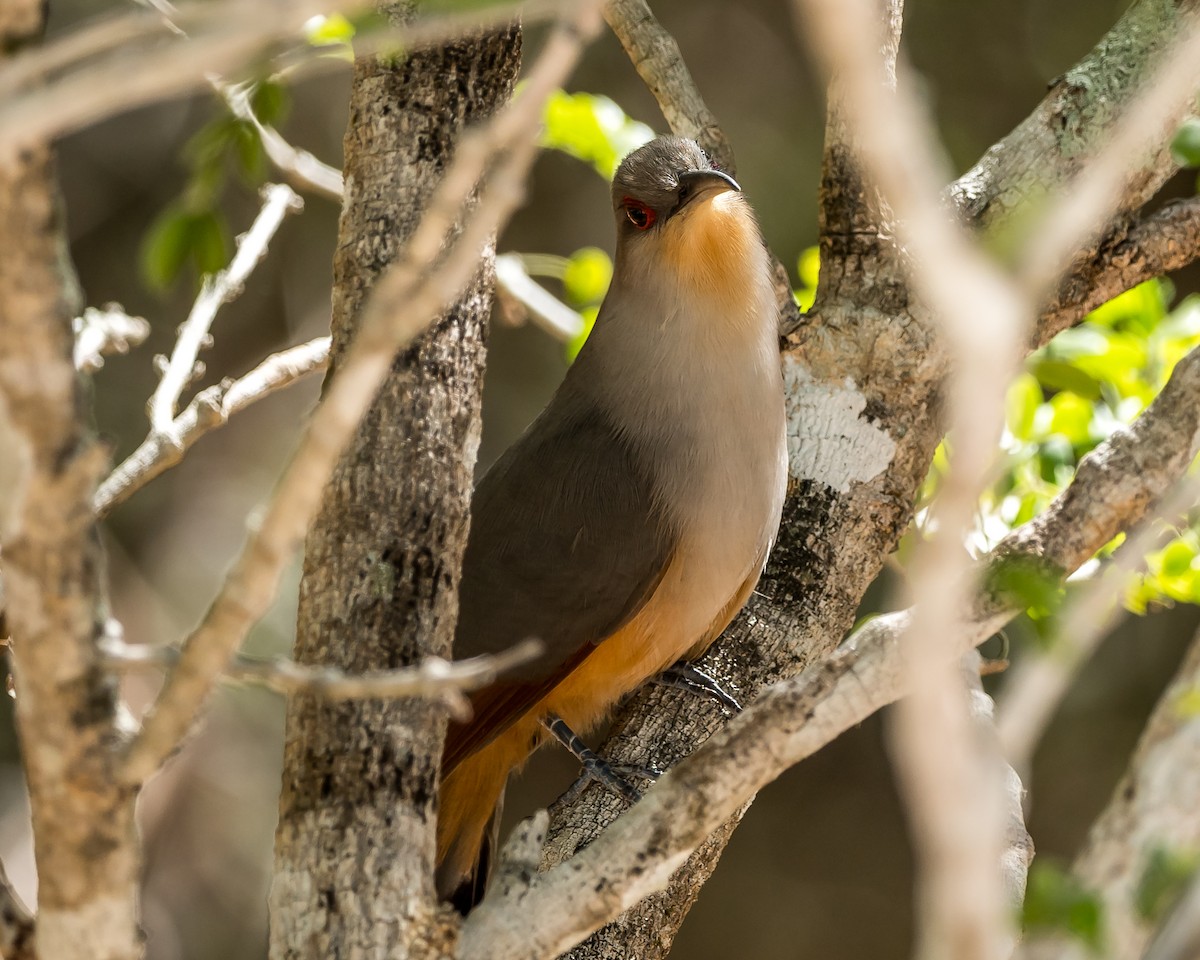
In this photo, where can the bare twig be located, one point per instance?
(1039, 682)
(209, 409)
(403, 304)
(546, 310)
(99, 332)
(301, 169)
(432, 679)
(219, 289)
(792, 719)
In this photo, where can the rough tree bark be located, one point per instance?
(354, 848)
(84, 836)
(864, 376)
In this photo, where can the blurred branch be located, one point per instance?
(1154, 811)
(656, 56)
(432, 268)
(1037, 684)
(100, 332)
(219, 289)
(948, 779)
(305, 172)
(433, 679)
(85, 76)
(17, 930)
(209, 409)
(792, 719)
(1166, 240)
(1018, 844)
(546, 310)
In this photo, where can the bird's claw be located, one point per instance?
(687, 676)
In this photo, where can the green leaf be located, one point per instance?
(1026, 582)
(209, 242)
(1163, 879)
(1185, 146)
(270, 102)
(248, 149)
(1061, 375)
(166, 247)
(809, 266)
(591, 128)
(1055, 901)
(586, 276)
(576, 343)
(1021, 406)
(325, 31)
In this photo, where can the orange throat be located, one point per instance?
(711, 248)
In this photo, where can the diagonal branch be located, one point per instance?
(219, 289)
(636, 855)
(209, 409)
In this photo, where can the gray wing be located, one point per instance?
(565, 545)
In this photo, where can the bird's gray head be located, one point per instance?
(660, 179)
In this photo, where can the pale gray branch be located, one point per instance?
(219, 289)
(209, 409)
(792, 719)
(103, 331)
(403, 304)
(433, 679)
(542, 307)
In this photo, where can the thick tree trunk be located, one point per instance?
(354, 848)
(83, 827)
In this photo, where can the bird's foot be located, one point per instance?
(611, 776)
(687, 676)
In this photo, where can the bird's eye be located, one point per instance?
(640, 215)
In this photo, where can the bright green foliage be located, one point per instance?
(1090, 381)
(809, 269)
(1185, 147)
(1056, 902)
(585, 278)
(1163, 879)
(593, 129)
(179, 237)
(327, 31)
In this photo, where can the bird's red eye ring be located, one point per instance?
(640, 215)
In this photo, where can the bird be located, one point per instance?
(629, 524)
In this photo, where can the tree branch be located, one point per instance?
(99, 332)
(433, 679)
(1151, 247)
(636, 855)
(403, 303)
(208, 410)
(219, 289)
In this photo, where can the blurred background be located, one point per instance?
(820, 867)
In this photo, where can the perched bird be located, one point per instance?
(630, 522)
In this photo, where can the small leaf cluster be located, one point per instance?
(191, 229)
(591, 128)
(1056, 902)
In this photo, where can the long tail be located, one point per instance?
(469, 819)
